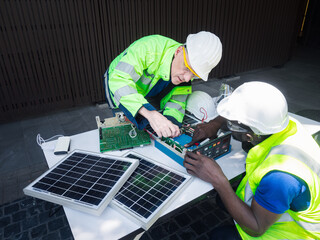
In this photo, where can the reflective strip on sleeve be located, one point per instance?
(110, 102)
(123, 91)
(145, 80)
(175, 106)
(128, 68)
(180, 98)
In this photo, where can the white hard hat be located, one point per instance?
(204, 52)
(258, 105)
(201, 105)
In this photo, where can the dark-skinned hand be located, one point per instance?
(204, 168)
(206, 130)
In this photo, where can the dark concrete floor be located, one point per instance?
(22, 160)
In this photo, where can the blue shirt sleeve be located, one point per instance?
(279, 191)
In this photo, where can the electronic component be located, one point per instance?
(174, 147)
(216, 147)
(118, 133)
(150, 188)
(83, 180)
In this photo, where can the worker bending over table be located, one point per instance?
(154, 66)
(279, 196)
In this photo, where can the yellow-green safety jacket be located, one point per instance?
(295, 152)
(143, 70)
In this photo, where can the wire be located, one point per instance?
(150, 135)
(133, 132)
(41, 141)
(204, 112)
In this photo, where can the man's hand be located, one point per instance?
(200, 133)
(205, 168)
(160, 124)
(206, 130)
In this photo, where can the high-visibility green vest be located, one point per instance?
(136, 71)
(295, 152)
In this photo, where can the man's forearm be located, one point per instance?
(144, 112)
(240, 211)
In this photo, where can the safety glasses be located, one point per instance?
(236, 127)
(186, 63)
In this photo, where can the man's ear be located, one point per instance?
(179, 49)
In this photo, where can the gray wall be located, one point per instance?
(54, 53)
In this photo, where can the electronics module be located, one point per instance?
(118, 133)
(174, 147)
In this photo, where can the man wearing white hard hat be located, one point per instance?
(160, 68)
(279, 197)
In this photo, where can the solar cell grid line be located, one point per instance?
(63, 183)
(148, 190)
(150, 202)
(83, 180)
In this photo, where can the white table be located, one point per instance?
(111, 224)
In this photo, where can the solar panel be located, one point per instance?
(83, 180)
(149, 189)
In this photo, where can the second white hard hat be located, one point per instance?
(201, 105)
(258, 105)
(204, 52)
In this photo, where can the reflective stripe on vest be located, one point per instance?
(123, 91)
(312, 227)
(128, 68)
(180, 98)
(298, 154)
(175, 106)
(248, 194)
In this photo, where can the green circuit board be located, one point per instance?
(118, 138)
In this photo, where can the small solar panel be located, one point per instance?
(83, 180)
(149, 189)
